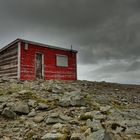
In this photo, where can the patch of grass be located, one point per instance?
(91, 102)
(119, 106)
(7, 89)
(83, 128)
(1, 94)
(29, 135)
(85, 117)
(32, 95)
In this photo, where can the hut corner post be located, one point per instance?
(19, 55)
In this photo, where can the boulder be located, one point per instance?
(77, 101)
(21, 108)
(9, 113)
(38, 119)
(42, 106)
(32, 103)
(57, 89)
(98, 135)
(10, 104)
(74, 98)
(54, 118)
(65, 102)
(96, 125)
(32, 113)
(57, 126)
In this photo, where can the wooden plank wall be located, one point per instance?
(51, 71)
(9, 62)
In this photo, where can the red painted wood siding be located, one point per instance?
(51, 71)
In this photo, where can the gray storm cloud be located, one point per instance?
(103, 31)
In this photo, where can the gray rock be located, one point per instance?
(57, 126)
(21, 108)
(98, 135)
(102, 99)
(51, 120)
(76, 136)
(88, 132)
(53, 136)
(54, 118)
(23, 92)
(38, 119)
(133, 129)
(77, 98)
(54, 115)
(57, 89)
(2, 106)
(3, 99)
(105, 108)
(77, 101)
(89, 123)
(42, 106)
(32, 103)
(131, 113)
(74, 98)
(75, 93)
(6, 138)
(65, 102)
(4, 79)
(9, 113)
(108, 136)
(65, 118)
(1, 111)
(98, 115)
(94, 124)
(83, 109)
(10, 104)
(32, 113)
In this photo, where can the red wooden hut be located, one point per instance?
(28, 60)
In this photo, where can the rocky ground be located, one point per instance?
(68, 110)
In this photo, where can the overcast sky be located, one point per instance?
(105, 32)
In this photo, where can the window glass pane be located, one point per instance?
(62, 60)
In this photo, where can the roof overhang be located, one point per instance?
(35, 43)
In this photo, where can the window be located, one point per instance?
(62, 60)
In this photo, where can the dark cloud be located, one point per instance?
(74, 14)
(101, 30)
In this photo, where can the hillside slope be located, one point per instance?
(63, 110)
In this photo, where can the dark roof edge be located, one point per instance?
(35, 43)
(7, 46)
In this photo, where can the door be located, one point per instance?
(39, 66)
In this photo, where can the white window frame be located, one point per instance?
(60, 64)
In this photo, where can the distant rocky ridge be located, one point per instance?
(68, 110)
